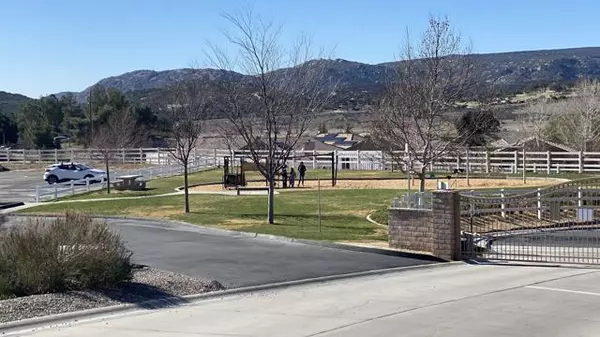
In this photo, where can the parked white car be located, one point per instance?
(74, 171)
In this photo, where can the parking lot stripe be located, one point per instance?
(564, 290)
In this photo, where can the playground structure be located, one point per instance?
(233, 176)
(235, 167)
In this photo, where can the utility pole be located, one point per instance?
(91, 135)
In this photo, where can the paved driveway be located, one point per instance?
(236, 260)
(19, 186)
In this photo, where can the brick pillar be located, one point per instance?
(446, 225)
(410, 229)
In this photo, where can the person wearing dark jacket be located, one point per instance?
(301, 173)
(284, 176)
(292, 177)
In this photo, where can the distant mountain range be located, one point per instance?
(360, 82)
(9, 103)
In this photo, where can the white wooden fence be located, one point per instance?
(158, 156)
(477, 161)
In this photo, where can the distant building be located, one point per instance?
(531, 144)
(339, 142)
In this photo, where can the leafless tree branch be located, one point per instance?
(120, 131)
(272, 110)
(423, 90)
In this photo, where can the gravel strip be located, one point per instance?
(147, 284)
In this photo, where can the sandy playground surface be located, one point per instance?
(430, 184)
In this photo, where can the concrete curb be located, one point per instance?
(369, 219)
(325, 244)
(104, 312)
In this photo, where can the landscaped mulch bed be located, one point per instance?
(146, 284)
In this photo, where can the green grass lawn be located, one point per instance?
(168, 185)
(155, 186)
(296, 212)
(343, 211)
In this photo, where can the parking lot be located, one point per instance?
(19, 186)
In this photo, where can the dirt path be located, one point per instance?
(430, 184)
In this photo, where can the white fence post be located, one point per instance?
(580, 162)
(141, 155)
(539, 204)
(87, 184)
(516, 163)
(314, 159)
(55, 191)
(579, 197)
(487, 161)
(358, 167)
(123, 155)
(503, 205)
(548, 163)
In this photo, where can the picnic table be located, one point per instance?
(130, 182)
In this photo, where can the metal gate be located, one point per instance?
(557, 224)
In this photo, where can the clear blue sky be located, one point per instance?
(48, 46)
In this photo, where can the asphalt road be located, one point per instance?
(236, 260)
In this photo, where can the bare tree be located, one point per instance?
(413, 122)
(119, 131)
(184, 117)
(535, 116)
(272, 110)
(576, 122)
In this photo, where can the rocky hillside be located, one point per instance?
(9, 103)
(359, 82)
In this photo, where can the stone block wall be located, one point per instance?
(436, 231)
(410, 229)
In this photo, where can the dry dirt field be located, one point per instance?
(430, 184)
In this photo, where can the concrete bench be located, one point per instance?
(251, 188)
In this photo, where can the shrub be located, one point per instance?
(67, 253)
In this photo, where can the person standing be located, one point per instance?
(284, 176)
(292, 177)
(302, 173)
